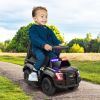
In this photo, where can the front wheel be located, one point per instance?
(48, 86)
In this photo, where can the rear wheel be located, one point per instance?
(48, 86)
(32, 83)
(26, 75)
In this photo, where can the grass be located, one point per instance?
(88, 64)
(89, 70)
(13, 59)
(9, 91)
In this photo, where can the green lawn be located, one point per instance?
(9, 91)
(89, 70)
(13, 59)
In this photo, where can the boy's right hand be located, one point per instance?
(47, 47)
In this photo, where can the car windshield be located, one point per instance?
(56, 64)
(59, 64)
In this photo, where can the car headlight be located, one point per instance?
(78, 73)
(59, 76)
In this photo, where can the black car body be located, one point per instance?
(55, 74)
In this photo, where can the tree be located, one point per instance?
(57, 32)
(94, 46)
(19, 42)
(6, 44)
(81, 42)
(88, 37)
(98, 37)
(87, 41)
(1, 46)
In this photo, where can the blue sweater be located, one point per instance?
(41, 35)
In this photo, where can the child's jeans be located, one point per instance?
(40, 57)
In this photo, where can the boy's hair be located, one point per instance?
(37, 8)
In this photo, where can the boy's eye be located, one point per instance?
(43, 16)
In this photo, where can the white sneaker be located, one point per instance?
(42, 68)
(33, 77)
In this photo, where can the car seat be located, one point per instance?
(30, 57)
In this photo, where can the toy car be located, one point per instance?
(54, 74)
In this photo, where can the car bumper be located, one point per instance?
(64, 85)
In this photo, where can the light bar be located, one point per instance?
(53, 60)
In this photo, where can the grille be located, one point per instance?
(70, 78)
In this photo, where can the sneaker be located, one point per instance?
(33, 77)
(42, 68)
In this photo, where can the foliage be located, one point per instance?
(57, 32)
(79, 41)
(89, 44)
(98, 37)
(20, 41)
(88, 37)
(1, 46)
(76, 49)
(94, 46)
(76, 41)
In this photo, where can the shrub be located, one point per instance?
(76, 48)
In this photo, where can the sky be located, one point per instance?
(74, 18)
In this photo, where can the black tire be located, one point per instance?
(31, 83)
(48, 86)
(26, 75)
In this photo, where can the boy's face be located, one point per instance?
(41, 17)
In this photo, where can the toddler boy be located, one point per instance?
(42, 38)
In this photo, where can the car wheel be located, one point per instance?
(26, 75)
(31, 83)
(48, 86)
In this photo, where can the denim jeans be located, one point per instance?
(40, 57)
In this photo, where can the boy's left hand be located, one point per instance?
(47, 47)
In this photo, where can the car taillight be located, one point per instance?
(59, 76)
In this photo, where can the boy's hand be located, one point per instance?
(47, 47)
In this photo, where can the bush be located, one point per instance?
(76, 48)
